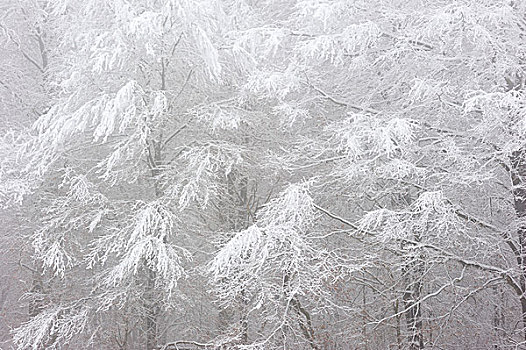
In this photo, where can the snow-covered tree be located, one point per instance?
(129, 173)
(293, 174)
(24, 91)
(407, 119)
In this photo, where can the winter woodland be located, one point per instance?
(262, 174)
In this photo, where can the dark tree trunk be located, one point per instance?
(414, 318)
(37, 290)
(152, 312)
(498, 317)
(412, 273)
(304, 317)
(398, 326)
(239, 219)
(518, 175)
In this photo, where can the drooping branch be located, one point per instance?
(505, 274)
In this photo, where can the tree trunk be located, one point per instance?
(411, 298)
(414, 319)
(152, 312)
(37, 290)
(237, 187)
(523, 310)
(518, 175)
(304, 317)
(398, 327)
(364, 318)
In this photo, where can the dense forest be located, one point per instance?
(262, 174)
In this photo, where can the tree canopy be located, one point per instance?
(265, 174)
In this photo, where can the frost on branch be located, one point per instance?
(133, 31)
(220, 116)
(504, 115)
(323, 12)
(240, 261)
(53, 326)
(273, 84)
(258, 42)
(274, 268)
(467, 27)
(290, 113)
(14, 185)
(362, 136)
(430, 217)
(354, 40)
(257, 258)
(66, 219)
(145, 241)
(399, 169)
(294, 208)
(127, 116)
(426, 90)
(204, 165)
